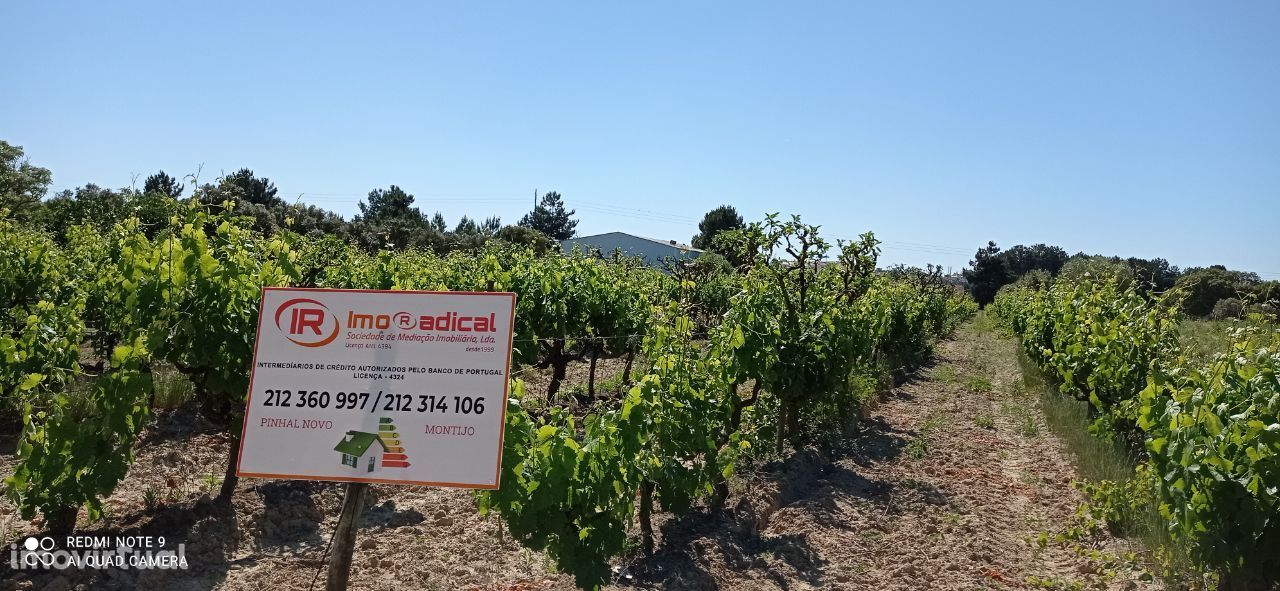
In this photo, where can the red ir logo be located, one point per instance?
(306, 319)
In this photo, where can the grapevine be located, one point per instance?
(716, 361)
(1210, 432)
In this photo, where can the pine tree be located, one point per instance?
(163, 184)
(716, 221)
(550, 218)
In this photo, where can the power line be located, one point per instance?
(625, 214)
(956, 249)
(309, 199)
(590, 204)
(893, 245)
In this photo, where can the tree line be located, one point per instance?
(388, 218)
(1214, 291)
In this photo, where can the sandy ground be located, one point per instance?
(929, 495)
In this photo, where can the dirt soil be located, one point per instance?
(951, 479)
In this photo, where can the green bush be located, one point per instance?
(1097, 269)
(1227, 308)
(1202, 288)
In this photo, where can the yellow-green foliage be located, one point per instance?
(1211, 429)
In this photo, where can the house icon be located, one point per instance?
(359, 452)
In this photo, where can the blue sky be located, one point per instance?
(1136, 128)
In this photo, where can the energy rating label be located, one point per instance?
(395, 456)
(379, 386)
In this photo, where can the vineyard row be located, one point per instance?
(780, 351)
(1210, 432)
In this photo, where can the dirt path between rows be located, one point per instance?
(950, 483)
(952, 477)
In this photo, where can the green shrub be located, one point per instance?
(1202, 288)
(1227, 308)
(1098, 269)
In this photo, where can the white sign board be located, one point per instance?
(398, 387)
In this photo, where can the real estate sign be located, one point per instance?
(403, 387)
